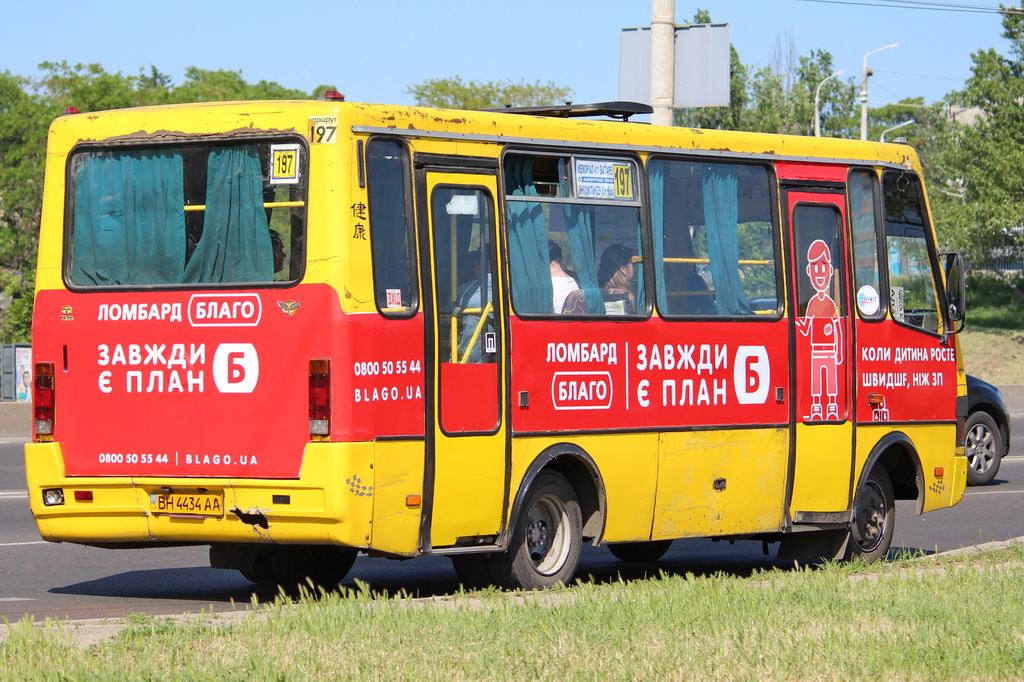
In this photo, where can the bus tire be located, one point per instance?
(640, 552)
(259, 570)
(546, 539)
(473, 570)
(874, 518)
(288, 566)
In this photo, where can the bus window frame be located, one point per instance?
(574, 154)
(881, 252)
(186, 140)
(775, 209)
(929, 235)
(410, 227)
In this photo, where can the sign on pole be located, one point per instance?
(701, 65)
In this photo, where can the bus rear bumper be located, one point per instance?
(121, 511)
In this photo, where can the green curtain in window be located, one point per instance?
(580, 231)
(129, 219)
(656, 178)
(721, 218)
(235, 245)
(641, 288)
(529, 261)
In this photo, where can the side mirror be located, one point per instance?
(956, 292)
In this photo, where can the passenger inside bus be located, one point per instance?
(562, 283)
(615, 273)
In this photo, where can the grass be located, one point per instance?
(909, 619)
(993, 342)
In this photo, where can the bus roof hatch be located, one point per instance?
(619, 110)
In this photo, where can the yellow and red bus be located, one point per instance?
(296, 331)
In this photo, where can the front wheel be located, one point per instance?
(983, 444)
(546, 539)
(874, 518)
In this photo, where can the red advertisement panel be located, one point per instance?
(216, 383)
(907, 375)
(654, 374)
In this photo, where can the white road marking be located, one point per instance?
(13, 494)
(994, 492)
(16, 599)
(20, 544)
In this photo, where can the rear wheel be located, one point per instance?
(640, 552)
(874, 518)
(546, 538)
(288, 566)
(983, 445)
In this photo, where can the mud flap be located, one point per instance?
(810, 545)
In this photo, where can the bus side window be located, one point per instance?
(391, 236)
(714, 249)
(913, 297)
(574, 235)
(863, 188)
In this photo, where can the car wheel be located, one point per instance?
(983, 445)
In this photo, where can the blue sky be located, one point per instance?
(372, 50)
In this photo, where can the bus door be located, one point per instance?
(466, 461)
(819, 307)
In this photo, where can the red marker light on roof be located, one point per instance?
(71, 110)
(334, 96)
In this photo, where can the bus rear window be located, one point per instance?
(203, 214)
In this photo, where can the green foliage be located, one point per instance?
(916, 618)
(202, 85)
(992, 301)
(453, 93)
(780, 99)
(979, 205)
(27, 106)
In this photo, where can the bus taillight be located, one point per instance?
(43, 399)
(320, 397)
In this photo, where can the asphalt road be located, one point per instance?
(62, 581)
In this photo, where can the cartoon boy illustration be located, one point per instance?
(821, 323)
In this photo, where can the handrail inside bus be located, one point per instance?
(705, 261)
(484, 313)
(266, 204)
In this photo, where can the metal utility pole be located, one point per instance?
(663, 35)
(864, 91)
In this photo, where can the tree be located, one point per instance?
(28, 106)
(23, 124)
(979, 207)
(202, 85)
(452, 93)
(778, 98)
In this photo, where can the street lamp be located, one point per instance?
(864, 91)
(817, 92)
(895, 127)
